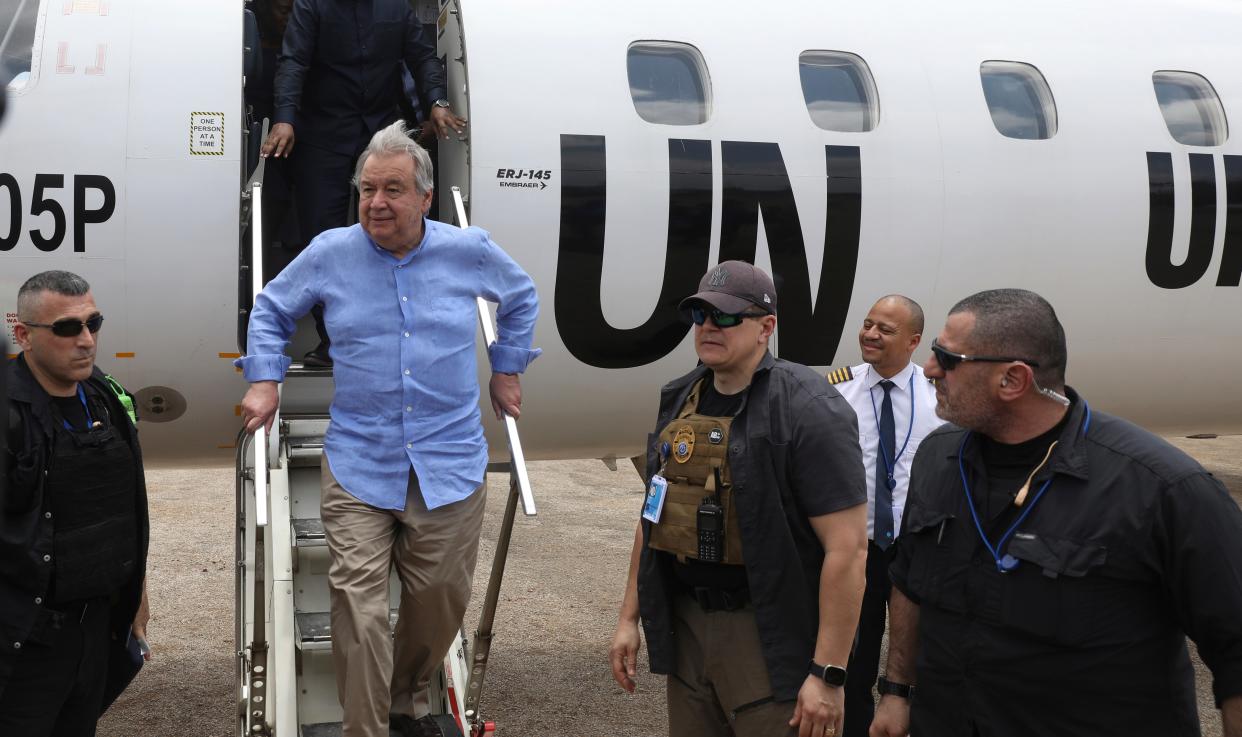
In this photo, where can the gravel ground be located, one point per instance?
(548, 672)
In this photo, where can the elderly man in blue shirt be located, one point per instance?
(404, 456)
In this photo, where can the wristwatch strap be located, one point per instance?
(886, 686)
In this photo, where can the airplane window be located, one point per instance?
(1191, 108)
(839, 91)
(668, 83)
(1019, 99)
(17, 32)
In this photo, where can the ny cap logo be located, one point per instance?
(719, 277)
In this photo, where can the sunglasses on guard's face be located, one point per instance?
(699, 315)
(949, 360)
(69, 327)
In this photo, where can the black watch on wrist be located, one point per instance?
(833, 675)
(886, 686)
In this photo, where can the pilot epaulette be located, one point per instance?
(836, 376)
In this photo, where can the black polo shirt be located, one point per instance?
(1132, 547)
(793, 455)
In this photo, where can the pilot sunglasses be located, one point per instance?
(722, 319)
(69, 327)
(949, 360)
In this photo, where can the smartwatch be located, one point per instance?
(833, 675)
(442, 102)
(886, 686)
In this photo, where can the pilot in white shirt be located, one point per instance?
(889, 335)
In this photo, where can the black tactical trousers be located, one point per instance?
(56, 688)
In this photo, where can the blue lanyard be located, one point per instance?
(890, 468)
(1005, 563)
(90, 421)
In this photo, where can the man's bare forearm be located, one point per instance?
(903, 641)
(629, 601)
(842, 580)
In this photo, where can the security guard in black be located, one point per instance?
(73, 545)
(1132, 547)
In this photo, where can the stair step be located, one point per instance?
(315, 629)
(308, 533)
(297, 368)
(446, 723)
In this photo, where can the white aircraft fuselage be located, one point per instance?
(122, 159)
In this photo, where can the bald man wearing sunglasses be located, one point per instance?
(73, 521)
(748, 565)
(1053, 559)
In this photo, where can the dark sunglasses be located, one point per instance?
(69, 327)
(722, 319)
(949, 360)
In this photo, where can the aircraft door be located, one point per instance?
(453, 159)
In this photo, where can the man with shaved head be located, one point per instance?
(1053, 559)
(896, 409)
(73, 521)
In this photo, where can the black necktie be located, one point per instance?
(885, 463)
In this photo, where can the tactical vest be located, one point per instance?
(696, 465)
(90, 490)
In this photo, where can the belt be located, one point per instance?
(720, 600)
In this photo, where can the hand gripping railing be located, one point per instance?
(519, 488)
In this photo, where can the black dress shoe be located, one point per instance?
(403, 725)
(318, 358)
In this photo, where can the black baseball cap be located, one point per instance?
(733, 286)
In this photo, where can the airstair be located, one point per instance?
(286, 682)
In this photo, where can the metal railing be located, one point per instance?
(519, 488)
(256, 701)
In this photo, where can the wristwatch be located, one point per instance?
(886, 686)
(442, 102)
(833, 675)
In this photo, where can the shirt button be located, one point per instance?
(409, 409)
(407, 333)
(17, 646)
(407, 372)
(47, 515)
(409, 445)
(47, 558)
(405, 299)
(38, 599)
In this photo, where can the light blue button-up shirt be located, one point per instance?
(403, 353)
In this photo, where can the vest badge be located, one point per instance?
(715, 436)
(683, 444)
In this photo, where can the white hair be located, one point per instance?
(394, 140)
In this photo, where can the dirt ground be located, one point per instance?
(548, 672)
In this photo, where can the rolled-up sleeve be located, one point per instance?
(277, 309)
(512, 289)
(1201, 535)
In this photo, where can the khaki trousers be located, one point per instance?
(434, 552)
(721, 687)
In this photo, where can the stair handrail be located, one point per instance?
(516, 456)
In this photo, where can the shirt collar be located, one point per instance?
(901, 378)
